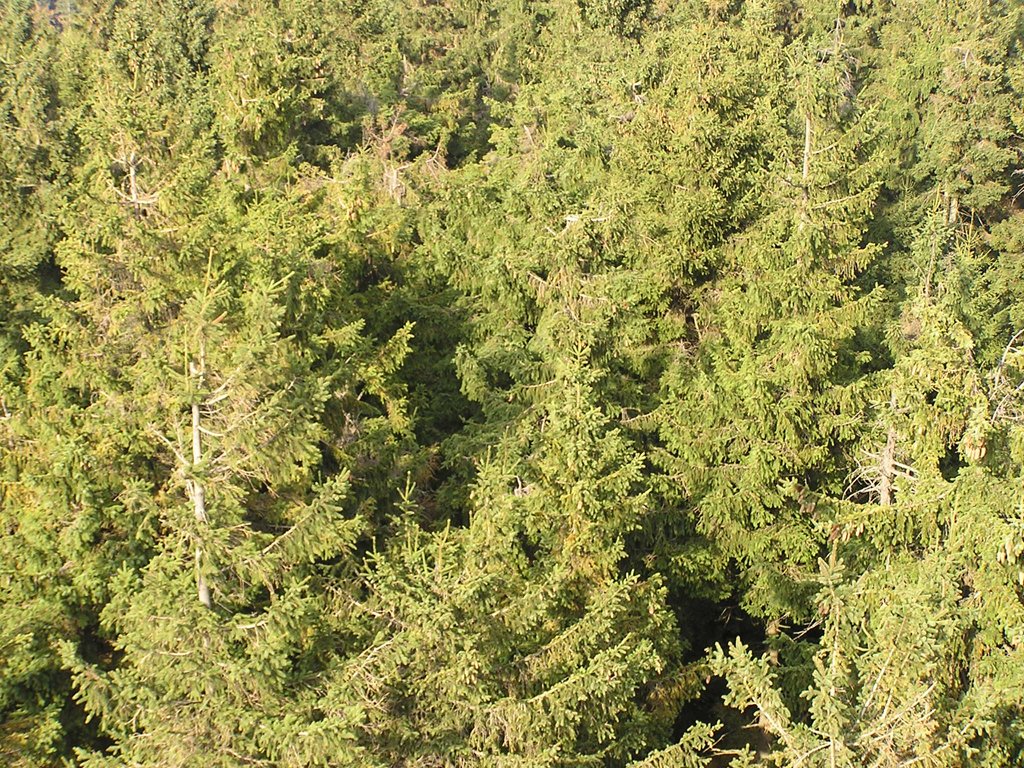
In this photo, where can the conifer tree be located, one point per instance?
(524, 638)
(31, 158)
(765, 389)
(197, 396)
(920, 595)
(662, 313)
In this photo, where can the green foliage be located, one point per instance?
(520, 640)
(428, 384)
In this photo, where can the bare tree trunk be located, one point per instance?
(807, 151)
(951, 209)
(198, 493)
(805, 176)
(888, 462)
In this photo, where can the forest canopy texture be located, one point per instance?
(511, 383)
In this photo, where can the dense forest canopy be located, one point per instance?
(512, 383)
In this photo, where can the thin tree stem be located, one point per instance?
(199, 494)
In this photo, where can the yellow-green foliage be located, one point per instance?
(434, 383)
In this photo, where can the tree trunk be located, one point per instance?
(887, 465)
(198, 494)
(807, 152)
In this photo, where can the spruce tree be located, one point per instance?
(525, 638)
(764, 390)
(197, 397)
